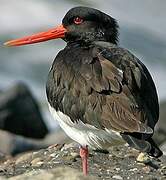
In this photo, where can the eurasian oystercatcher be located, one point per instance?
(100, 94)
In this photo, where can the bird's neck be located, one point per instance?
(86, 45)
(79, 43)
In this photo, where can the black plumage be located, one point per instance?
(101, 84)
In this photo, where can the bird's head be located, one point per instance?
(88, 24)
(79, 24)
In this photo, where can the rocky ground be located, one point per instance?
(64, 163)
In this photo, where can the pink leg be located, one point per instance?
(84, 156)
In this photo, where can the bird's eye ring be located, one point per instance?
(78, 20)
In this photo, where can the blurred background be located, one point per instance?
(142, 31)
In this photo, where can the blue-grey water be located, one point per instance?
(142, 31)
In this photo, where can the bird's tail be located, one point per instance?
(154, 151)
(148, 145)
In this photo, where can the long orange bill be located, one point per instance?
(57, 32)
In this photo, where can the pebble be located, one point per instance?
(58, 155)
(134, 169)
(35, 152)
(2, 169)
(37, 162)
(96, 165)
(7, 162)
(110, 156)
(117, 169)
(67, 146)
(146, 169)
(163, 167)
(117, 177)
(74, 154)
(23, 158)
(143, 158)
(108, 171)
(53, 155)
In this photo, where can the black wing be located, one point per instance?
(137, 85)
(106, 87)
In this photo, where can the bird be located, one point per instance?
(100, 93)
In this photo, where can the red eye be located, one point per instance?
(78, 20)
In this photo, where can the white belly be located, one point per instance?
(86, 134)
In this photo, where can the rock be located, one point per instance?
(20, 114)
(61, 173)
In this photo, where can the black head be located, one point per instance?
(88, 24)
(79, 24)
